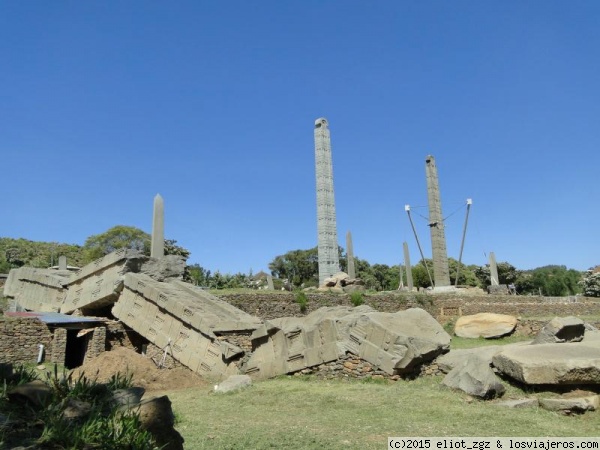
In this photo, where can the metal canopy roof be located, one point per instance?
(54, 317)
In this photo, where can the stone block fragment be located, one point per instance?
(233, 383)
(474, 377)
(570, 405)
(561, 329)
(36, 289)
(486, 325)
(99, 283)
(569, 363)
(519, 403)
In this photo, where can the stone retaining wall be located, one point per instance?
(442, 307)
(96, 343)
(20, 339)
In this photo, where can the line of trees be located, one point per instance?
(15, 253)
(300, 267)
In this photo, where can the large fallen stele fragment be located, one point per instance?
(37, 289)
(566, 363)
(393, 342)
(184, 322)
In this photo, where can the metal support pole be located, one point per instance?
(407, 209)
(462, 242)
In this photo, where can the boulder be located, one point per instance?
(571, 404)
(163, 269)
(126, 398)
(336, 280)
(76, 409)
(449, 360)
(233, 383)
(36, 392)
(475, 377)
(486, 325)
(569, 363)
(561, 329)
(156, 416)
(397, 342)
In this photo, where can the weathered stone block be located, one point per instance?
(486, 325)
(570, 363)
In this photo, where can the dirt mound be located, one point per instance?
(144, 371)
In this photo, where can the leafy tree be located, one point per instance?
(298, 266)
(553, 280)
(466, 274)
(419, 273)
(22, 252)
(197, 275)
(171, 248)
(591, 282)
(507, 274)
(122, 236)
(117, 237)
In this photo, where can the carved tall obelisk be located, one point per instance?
(441, 272)
(157, 248)
(329, 261)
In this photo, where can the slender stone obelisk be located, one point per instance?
(494, 280)
(270, 284)
(62, 262)
(350, 255)
(409, 278)
(329, 261)
(157, 249)
(441, 273)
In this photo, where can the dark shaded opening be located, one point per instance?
(75, 351)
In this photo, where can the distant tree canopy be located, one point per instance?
(590, 283)
(116, 238)
(551, 281)
(122, 236)
(300, 267)
(16, 253)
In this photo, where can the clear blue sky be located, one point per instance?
(212, 105)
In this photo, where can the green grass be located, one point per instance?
(302, 413)
(459, 342)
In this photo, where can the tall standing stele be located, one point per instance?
(157, 245)
(441, 272)
(329, 261)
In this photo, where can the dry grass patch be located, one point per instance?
(308, 413)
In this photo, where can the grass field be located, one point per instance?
(305, 413)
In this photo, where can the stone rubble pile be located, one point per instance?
(565, 353)
(217, 340)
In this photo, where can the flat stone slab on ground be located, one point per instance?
(568, 363)
(233, 383)
(571, 404)
(519, 403)
(486, 325)
(447, 361)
